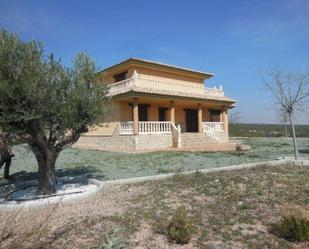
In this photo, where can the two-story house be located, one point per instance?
(158, 106)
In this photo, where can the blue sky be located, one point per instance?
(233, 39)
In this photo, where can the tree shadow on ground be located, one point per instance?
(90, 172)
(303, 151)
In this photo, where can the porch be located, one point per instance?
(154, 115)
(163, 127)
(209, 134)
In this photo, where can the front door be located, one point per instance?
(191, 120)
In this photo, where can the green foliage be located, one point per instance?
(293, 226)
(266, 130)
(44, 104)
(40, 95)
(181, 227)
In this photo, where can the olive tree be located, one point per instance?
(290, 92)
(44, 104)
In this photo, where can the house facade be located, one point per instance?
(158, 106)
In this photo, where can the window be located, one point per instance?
(143, 112)
(214, 115)
(162, 113)
(120, 76)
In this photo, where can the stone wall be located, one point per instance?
(221, 136)
(110, 143)
(153, 141)
(125, 142)
(134, 142)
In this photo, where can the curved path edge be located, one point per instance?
(102, 184)
(287, 161)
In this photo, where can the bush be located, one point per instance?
(180, 228)
(293, 226)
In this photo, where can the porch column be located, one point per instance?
(221, 116)
(172, 112)
(135, 116)
(200, 118)
(225, 121)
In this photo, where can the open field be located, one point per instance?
(266, 130)
(232, 209)
(109, 165)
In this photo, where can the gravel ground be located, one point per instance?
(232, 210)
(109, 165)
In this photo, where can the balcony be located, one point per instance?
(144, 84)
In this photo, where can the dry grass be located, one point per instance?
(229, 209)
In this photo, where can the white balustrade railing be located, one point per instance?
(126, 127)
(121, 87)
(161, 86)
(145, 127)
(214, 91)
(151, 127)
(213, 126)
(210, 128)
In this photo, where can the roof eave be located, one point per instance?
(136, 60)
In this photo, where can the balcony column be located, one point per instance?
(200, 118)
(225, 120)
(172, 112)
(135, 116)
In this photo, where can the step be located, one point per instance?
(189, 140)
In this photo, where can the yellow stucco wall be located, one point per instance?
(159, 74)
(125, 112)
(108, 126)
(166, 74)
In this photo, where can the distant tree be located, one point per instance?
(234, 117)
(44, 104)
(290, 91)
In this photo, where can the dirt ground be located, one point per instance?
(229, 210)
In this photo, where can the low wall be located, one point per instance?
(153, 141)
(221, 136)
(125, 142)
(113, 143)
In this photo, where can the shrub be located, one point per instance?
(180, 228)
(293, 226)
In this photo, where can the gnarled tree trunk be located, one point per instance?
(46, 157)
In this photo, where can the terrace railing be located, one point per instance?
(217, 126)
(210, 128)
(154, 127)
(145, 84)
(126, 128)
(145, 127)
